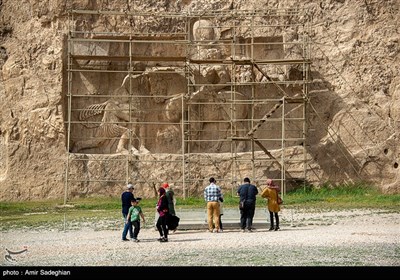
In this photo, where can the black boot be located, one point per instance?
(271, 218)
(277, 222)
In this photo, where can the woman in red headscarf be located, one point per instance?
(169, 193)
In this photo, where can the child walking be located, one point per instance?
(134, 214)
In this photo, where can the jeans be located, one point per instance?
(127, 227)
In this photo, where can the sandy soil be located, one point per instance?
(318, 238)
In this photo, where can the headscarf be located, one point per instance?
(161, 191)
(272, 185)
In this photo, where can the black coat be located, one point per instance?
(126, 199)
(248, 193)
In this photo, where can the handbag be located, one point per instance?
(278, 198)
(172, 221)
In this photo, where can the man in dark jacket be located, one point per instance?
(247, 193)
(126, 198)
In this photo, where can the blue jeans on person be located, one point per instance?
(127, 227)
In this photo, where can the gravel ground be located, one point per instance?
(306, 238)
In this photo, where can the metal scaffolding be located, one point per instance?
(230, 83)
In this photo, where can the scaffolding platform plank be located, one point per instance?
(128, 58)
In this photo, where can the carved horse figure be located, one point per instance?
(108, 128)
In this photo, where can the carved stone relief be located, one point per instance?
(158, 101)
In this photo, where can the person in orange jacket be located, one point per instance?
(271, 193)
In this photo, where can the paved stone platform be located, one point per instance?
(197, 218)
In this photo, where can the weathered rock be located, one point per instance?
(353, 117)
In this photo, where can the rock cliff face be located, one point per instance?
(353, 119)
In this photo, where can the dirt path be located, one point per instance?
(336, 238)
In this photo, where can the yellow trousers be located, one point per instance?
(213, 215)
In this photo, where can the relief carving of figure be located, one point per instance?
(211, 85)
(214, 76)
(109, 128)
(213, 89)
